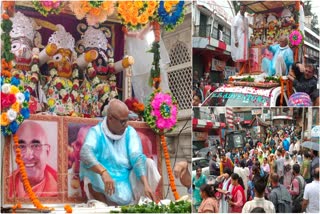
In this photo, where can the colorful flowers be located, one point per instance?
(161, 112)
(95, 11)
(296, 38)
(171, 14)
(14, 105)
(135, 106)
(136, 14)
(48, 7)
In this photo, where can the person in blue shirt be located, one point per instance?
(113, 166)
(282, 59)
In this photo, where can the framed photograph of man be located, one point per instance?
(74, 133)
(151, 148)
(40, 143)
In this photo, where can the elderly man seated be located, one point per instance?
(113, 166)
(281, 61)
(304, 80)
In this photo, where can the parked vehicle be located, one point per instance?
(201, 162)
(235, 139)
(203, 152)
(229, 95)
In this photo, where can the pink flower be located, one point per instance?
(295, 38)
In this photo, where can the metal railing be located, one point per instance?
(204, 31)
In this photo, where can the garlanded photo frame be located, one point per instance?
(44, 159)
(74, 132)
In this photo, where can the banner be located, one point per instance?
(218, 65)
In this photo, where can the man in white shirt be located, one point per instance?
(310, 201)
(259, 201)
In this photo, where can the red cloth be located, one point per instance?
(235, 189)
(48, 187)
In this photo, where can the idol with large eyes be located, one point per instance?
(22, 50)
(63, 63)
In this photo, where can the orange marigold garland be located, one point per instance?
(24, 176)
(68, 208)
(169, 170)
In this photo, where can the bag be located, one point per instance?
(297, 199)
(282, 205)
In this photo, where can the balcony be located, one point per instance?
(204, 31)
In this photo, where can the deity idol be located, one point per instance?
(26, 59)
(100, 81)
(63, 84)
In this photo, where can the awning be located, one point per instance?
(205, 125)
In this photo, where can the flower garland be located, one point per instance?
(171, 14)
(135, 106)
(48, 7)
(95, 11)
(161, 112)
(136, 14)
(296, 38)
(155, 70)
(169, 170)
(68, 208)
(24, 177)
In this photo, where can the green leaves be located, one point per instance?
(174, 207)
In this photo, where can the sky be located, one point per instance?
(316, 9)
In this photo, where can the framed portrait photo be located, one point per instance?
(151, 148)
(40, 142)
(74, 133)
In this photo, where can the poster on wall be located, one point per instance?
(40, 143)
(218, 65)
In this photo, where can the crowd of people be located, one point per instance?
(273, 176)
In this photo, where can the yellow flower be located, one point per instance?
(152, 4)
(70, 84)
(106, 88)
(167, 7)
(85, 6)
(51, 102)
(138, 4)
(86, 97)
(16, 107)
(4, 119)
(95, 11)
(144, 19)
(14, 89)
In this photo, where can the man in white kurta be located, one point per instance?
(240, 38)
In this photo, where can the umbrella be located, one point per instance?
(311, 145)
(315, 131)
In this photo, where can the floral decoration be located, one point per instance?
(94, 11)
(169, 169)
(24, 176)
(68, 208)
(136, 14)
(135, 106)
(296, 38)
(161, 112)
(48, 7)
(14, 105)
(171, 14)
(155, 70)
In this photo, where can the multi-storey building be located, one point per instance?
(212, 38)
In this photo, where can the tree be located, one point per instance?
(314, 23)
(307, 8)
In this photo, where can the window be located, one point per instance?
(180, 75)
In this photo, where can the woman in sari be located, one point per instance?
(226, 189)
(197, 182)
(237, 199)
